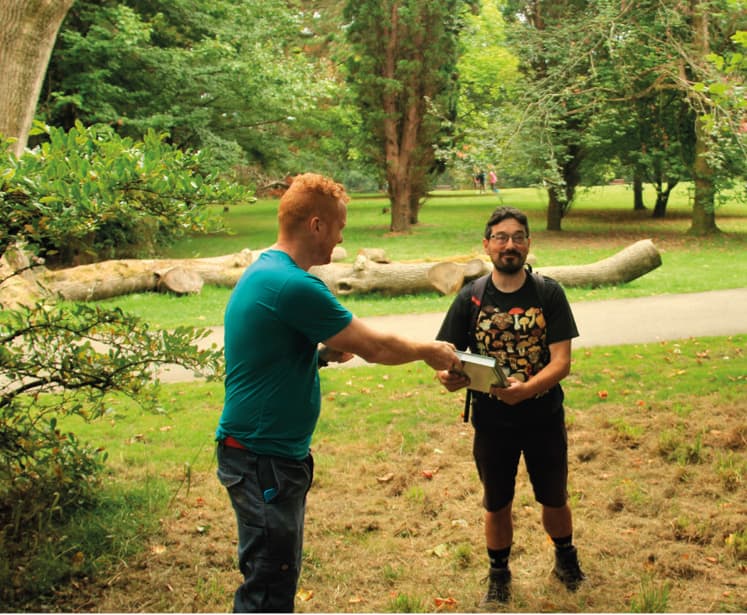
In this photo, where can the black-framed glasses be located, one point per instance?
(519, 239)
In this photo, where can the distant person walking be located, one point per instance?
(480, 181)
(493, 181)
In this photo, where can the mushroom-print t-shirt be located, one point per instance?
(517, 328)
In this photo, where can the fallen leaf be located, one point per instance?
(445, 602)
(166, 428)
(386, 478)
(440, 550)
(305, 595)
(157, 549)
(355, 600)
(602, 394)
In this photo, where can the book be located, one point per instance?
(482, 371)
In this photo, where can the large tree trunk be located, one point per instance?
(704, 210)
(367, 276)
(627, 265)
(28, 30)
(704, 202)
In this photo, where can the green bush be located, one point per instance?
(89, 194)
(59, 361)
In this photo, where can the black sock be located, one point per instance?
(564, 543)
(499, 557)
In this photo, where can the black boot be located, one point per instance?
(499, 588)
(567, 569)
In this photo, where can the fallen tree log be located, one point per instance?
(114, 278)
(630, 263)
(625, 266)
(120, 277)
(367, 276)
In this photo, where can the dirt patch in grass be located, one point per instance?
(659, 505)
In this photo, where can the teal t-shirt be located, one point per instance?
(275, 317)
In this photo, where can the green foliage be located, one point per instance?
(405, 91)
(57, 362)
(737, 542)
(228, 77)
(88, 194)
(620, 101)
(36, 566)
(653, 598)
(488, 76)
(403, 603)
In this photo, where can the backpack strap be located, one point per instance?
(475, 301)
(478, 292)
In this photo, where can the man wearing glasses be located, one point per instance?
(525, 321)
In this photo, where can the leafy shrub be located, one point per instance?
(89, 195)
(58, 361)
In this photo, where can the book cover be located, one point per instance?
(482, 371)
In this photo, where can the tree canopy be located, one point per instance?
(403, 70)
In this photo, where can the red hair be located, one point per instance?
(310, 195)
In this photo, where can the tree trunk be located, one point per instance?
(704, 210)
(704, 202)
(554, 210)
(399, 197)
(638, 204)
(366, 276)
(27, 35)
(662, 200)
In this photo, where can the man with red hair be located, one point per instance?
(276, 319)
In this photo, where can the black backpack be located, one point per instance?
(478, 291)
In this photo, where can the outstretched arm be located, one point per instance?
(389, 349)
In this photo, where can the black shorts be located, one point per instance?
(545, 448)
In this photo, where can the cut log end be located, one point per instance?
(179, 281)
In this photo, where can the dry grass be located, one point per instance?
(657, 493)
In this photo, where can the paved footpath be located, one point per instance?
(601, 323)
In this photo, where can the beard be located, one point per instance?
(509, 262)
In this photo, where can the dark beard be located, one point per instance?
(516, 265)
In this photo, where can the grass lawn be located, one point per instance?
(658, 444)
(657, 432)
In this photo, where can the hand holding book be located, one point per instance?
(482, 371)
